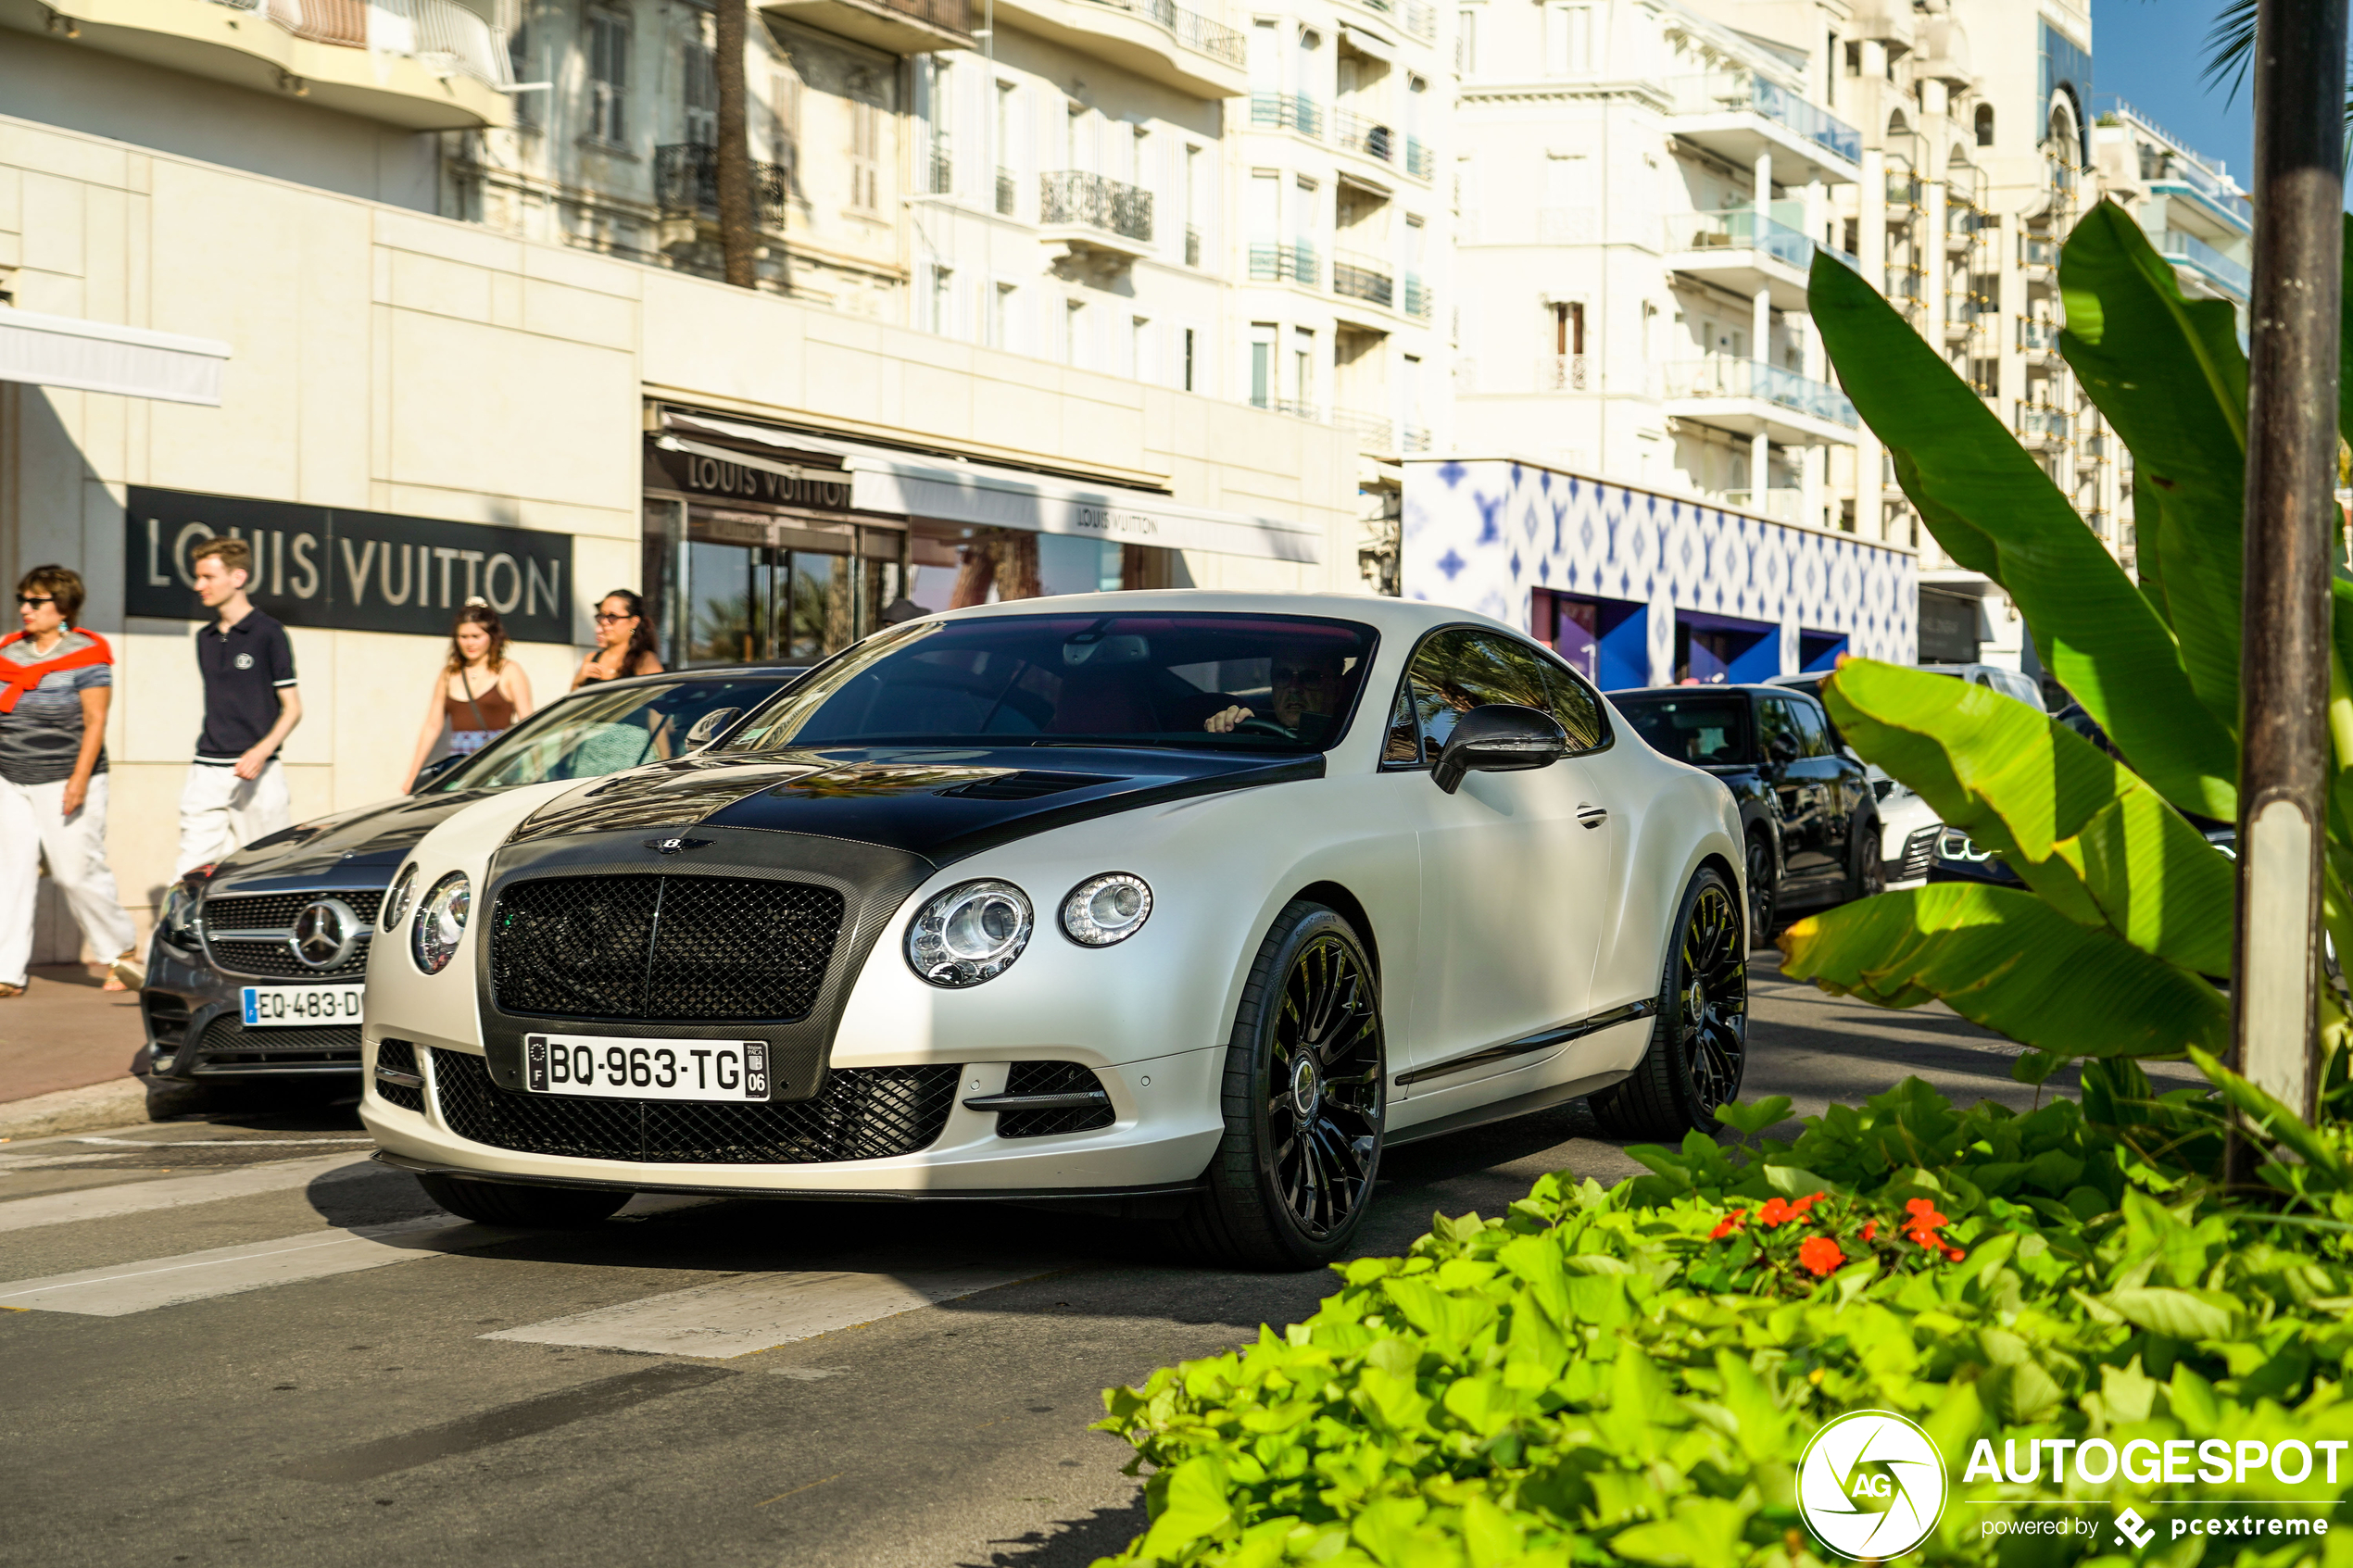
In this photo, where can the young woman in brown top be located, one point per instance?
(624, 641)
(479, 692)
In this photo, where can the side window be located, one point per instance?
(1404, 745)
(1453, 673)
(1778, 737)
(1813, 728)
(1574, 704)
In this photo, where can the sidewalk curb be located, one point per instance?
(119, 1102)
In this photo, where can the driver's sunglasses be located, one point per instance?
(35, 599)
(603, 619)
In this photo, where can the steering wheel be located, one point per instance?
(1264, 727)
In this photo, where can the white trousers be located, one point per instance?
(219, 811)
(32, 821)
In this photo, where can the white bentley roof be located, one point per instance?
(1399, 617)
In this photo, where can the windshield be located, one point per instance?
(1247, 682)
(1698, 730)
(592, 734)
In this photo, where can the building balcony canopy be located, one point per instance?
(1738, 115)
(420, 65)
(1754, 396)
(900, 27)
(1157, 40)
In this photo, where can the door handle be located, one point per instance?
(1593, 816)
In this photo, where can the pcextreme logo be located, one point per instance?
(1871, 1484)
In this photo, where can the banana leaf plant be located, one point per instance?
(2114, 946)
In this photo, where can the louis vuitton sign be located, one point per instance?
(773, 483)
(352, 571)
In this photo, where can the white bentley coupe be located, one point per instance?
(1179, 904)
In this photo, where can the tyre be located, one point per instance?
(1868, 874)
(530, 1208)
(1699, 1046)
(1305, 1099)
(1764, 891)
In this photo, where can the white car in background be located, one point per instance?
(1176, 904)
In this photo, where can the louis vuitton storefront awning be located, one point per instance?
(950, 489)
(63, 351)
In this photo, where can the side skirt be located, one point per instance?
(1527, 1045)
(1534, 1100)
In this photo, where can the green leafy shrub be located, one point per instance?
(1618, 1375)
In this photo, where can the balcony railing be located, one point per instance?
(1565, 372)
(1420, 162)
(1362, 277)
(1006, 186)
(1906, 284)
(686, 185)
(1416, 18)
(1282, 264)
(1374, 433)
(1906, 189)
(1965, 309)
(1073, 196)
(1358, 135)
(2037, 250)
(2043, 423)
(1718, 91)
(1286, 111)
(1742, 229)
(1285, 405)
(441, 35)
(1189, 28)
(2188, 250)
(941, 173)
(1722, 376)
(2227, 201)
(1418, 296)
(2037, 335)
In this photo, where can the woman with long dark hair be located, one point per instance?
(624, 641)
(478, 693)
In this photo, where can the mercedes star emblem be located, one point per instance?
(325, 932)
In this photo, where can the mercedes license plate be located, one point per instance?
(606, 1068)
(291, 1007)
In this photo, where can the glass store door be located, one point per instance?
(725, 590)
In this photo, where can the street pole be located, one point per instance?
(737, 238)
(2290, 513)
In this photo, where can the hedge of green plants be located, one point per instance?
(1630, 1375)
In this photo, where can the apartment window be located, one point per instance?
(1854, 59)
(1196, 206)
(1189, 358)
(865, 143)
(1140, 349)
(783, 120)
(943, 300)
(1001, 316)
(1985, 125)
(1569, 327)
(1265, 57)
(1466, 42)
(1008, 161)
(1074, 332)
(608, 74)
(700, 91)
(1569, 40)
(519, 62)
(939, 126)
(1303, 358)
(1262, 364)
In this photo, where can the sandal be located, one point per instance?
(9, 993)
(125, 971)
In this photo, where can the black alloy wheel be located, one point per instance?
(1699, 1046)
(1869, 874)
(1764, 890)
(1306, 1097)
(518, 1204)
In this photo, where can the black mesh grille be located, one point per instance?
(1052, 1078)
(1919, 852)
(663, 948)
(401, 1057)
(226, 1041)
(276, 959)
(276, 912)
(862, 1113)
(225, 919)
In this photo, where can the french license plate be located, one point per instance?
(605, 1068)
(291, 1007)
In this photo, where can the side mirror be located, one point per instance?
(1782, 749)
(436, 768)
(1500, 737)
(707, 728)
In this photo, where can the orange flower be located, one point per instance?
(1727, 1224)
(1870, 1229)
(1819, 1255)
(1924, 1222)
(1954, 1254)
(1781, 1212)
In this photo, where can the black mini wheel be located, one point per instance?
(1699, 1046)
(530, 1207)
(1764, 890)
(1305, 1099)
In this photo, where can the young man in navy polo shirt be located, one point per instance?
(236, 791)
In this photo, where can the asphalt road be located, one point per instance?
(236, 1342)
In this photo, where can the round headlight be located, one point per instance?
(396, 900)
(1107, 908)
(441, 920)
(969, 933)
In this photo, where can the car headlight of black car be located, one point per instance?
(972, 933)
(396, 900)
(441, 922)
(1107, 908)
(178, 921)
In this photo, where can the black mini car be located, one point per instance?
(256, 967)
(1807, 807)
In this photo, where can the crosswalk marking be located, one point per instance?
(228, 1271)
(753, 1312)
(173, 1192)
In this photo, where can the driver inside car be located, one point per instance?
(1304, 686)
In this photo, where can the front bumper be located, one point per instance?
(194, 1017)
(1162, 1136)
